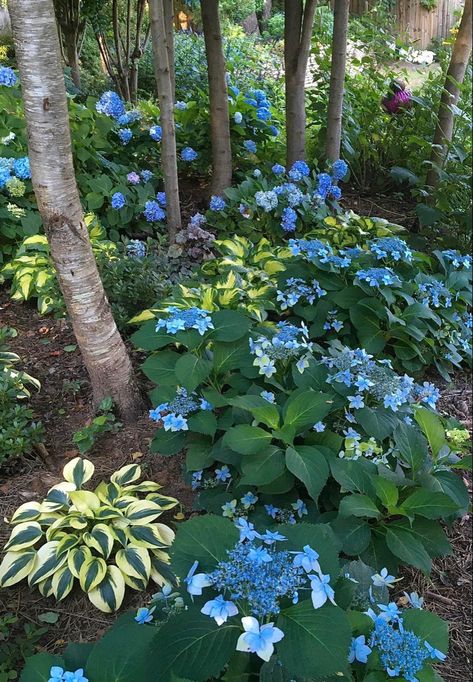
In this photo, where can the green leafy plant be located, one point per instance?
(104, 422)
(18, 641)
(106, 540)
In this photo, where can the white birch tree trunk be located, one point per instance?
(337, 79)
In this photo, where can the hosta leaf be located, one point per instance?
(76, 557)
(62, 583)
(84, 500)
(92, 573)
(142, 512)
(134, 561)
(101, 539)
(66, 543)
(29, 511)
(24, 535)
(163, 501)
(15, 566)
(46, 563)
(126, 475)
(78, 471)
(156, 535)
(108, 596)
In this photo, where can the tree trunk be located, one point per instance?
(299, 21)
(337, 79)
(456, 73)
(218, 95)
(162, 70)
(169, 22)
(73, 59)
(49, 147)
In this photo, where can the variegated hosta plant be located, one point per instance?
(106, 539)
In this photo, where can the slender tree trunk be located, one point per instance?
(337, 79)
(456, 73)
(169, 22)
(218, 95)
(162, 70)
(73, 59)
(299, 21)
(49, 147)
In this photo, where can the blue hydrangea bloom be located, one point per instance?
(21, 168)
(278, 169)
(144, 615)
(266, 200)
(180, 319)
(156, 133)
(217, 204)
(219, 609)
(250, 146)
(289, 219)
(111, 104)
(146, 175)
(402, 653)
(125, 135)
(5, 175)
(377, 277)
(153, 212)
(274, 131)
(339, 169)
(456, 259)
(7, 76)
(189, 154)
(136, 249)
(263, 114)
(238, 118)
(128, 117)
(161, 199)
(299, 170)
(391, 247)
(359, 650)
(180, 106)
(118, 201)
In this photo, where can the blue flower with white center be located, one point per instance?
(247, 530)
(153, 212)
(288, 221)
(7, 77)
(391, 248)
(263, 114)
(175, 422)
(427, 393)
(268, 201)
(248, 499)
(259, 556)
(219, 609)
(222, 475)
(299, 170)
(321, 590)
(351, 433)
(271, 510)
(271, 537)
(196, 582)
(238, 117)
(259, 640)
(456, 259)
(250, 146)
(118, 201)
(58, 674)
(308, 560)
(21, 168)
(125, 135)
(435, 654)
(356, 402)
(300, 508)
(339, 169)
(268, 396)
(229, 509)
(161, 199)
(359, 650)
(278, 169)
(383, 579)
(136, 249)
(297, 290)
(111, 104)
(144, 615)
(189, 154)
(319, 427)
(217, 204)
(156, 133)
(414, 600)
(377, 277)
(310, 250)
(344, 377)
(196, 481)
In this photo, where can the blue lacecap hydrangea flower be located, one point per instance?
(180, 319)
(377, 277)
(7, 77)
(456, 259)
(391, 248)
(111, 104)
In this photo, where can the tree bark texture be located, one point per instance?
(162, 70)
(169, 22)
(72, 26)
(456, 73)
(218, 95)
(337, 79)
(49, 147)
(299, 21)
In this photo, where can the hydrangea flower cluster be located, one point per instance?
(298, 171)
(156, 133)
(189, 154)
(268, 201)
(173, 414)
(221, 475)
(289, 219)
(136, 249)
(357, 369)
(339, 169)
(133, 178)
(287, 344)
(58, 674)
(7, 77)
(129, 117)
(181, 319)
(153, 212)
(433, 292)
(125, 135)
(217, 204)
(118, 201)
(12, 172)
(391, 248)
(377, 277)
(250, 146)
(260, 575)
(326, 188)
(456, 259)
(111, 104)
(293, 195)
(296, 290)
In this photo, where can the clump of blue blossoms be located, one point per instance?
(313, 251)
(189, 154)
(173, 414)
(296, 290)
(136, 249)
(278, 169)
(153, 212)
(238, 118)
(377, 277)
(391, 248)
(125, 135)
(118, 201)
(435, 293)
(266, 200)
(129, 117)
(111, 104)
(156, 133)
(181, 319)
(7, 77)
(339, 169)
(298, 171)
(288, 220)
(287, 344)
(217, 204)
(368, 377)
(161, 199)
(21, 168)
(250, 146)
(456, 259)
(58, 674)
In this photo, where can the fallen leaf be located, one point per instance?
(136, 455)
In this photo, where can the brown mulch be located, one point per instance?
(64, 407)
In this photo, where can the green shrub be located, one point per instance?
(104, 422)
(107, 539)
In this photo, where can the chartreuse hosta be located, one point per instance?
(106, 540)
